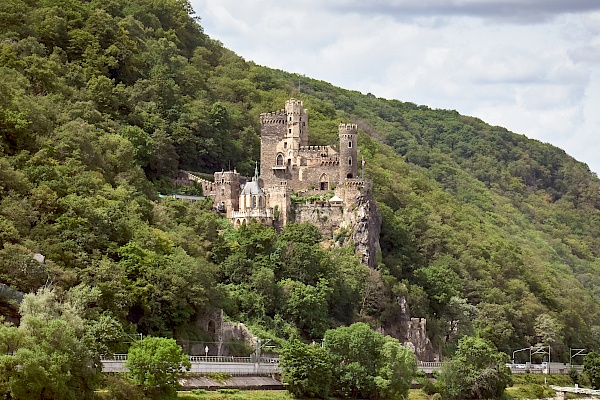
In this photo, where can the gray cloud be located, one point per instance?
(513, 11)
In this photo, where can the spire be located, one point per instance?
(255, 178)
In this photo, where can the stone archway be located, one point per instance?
(324, 182)
(211, 328)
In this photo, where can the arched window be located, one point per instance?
(253, 201)
(279, 161)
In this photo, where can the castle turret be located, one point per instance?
(348, 151)
(297, 124)
(227, 191)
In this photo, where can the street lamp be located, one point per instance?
(539, 350)
(578, 352)
(523, 349)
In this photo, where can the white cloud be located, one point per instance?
(528, 65)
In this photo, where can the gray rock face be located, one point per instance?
(412, 333)
(366, 230)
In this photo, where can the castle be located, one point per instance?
(297, 182)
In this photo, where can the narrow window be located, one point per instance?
(349, 161)
(253, 201)
(349, 144)
(290, 131)
(285, 145)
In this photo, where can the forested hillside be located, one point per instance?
(102, 101)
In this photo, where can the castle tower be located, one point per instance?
(297, 124)
(280, 201)
(348, 151)
(227, 191)
(282, 133)
(273, 128)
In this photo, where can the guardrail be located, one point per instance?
(208, 359)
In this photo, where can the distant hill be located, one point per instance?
(101, 102)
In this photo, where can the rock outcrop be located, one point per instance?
(366, 228)
(412, 333)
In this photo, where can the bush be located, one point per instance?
(574, 375)
(118, 388)
(477, 371)
(228, 391)
(155, 364)
(218, 376)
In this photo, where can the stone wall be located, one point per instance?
(328, 218)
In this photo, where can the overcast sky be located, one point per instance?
(532, 66)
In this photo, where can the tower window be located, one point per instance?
(349, 144)
(285, 145)
(222, 192)
(349, 161)
(290, 131)
(279, 161)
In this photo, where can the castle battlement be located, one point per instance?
(348, 128)
(358, 182)
(276, 117)
(313, 148)
(293, 106)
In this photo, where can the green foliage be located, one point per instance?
(155, 364)
(48, 355)
(218, 376)
(574, 375)
(116, 387)
(369, 364)
(591, 368)
(353, 362)
(307, 370)
(477, 371)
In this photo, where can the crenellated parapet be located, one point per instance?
(294, 107)
(273, 118)
(313, 148)
(359, 183)
(348, 128)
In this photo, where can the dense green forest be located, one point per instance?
(102, 101)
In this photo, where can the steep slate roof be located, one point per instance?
(252, 187)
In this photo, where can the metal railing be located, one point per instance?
(208, 359)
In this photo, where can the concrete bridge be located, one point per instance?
(251, 366)
(234, 366)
